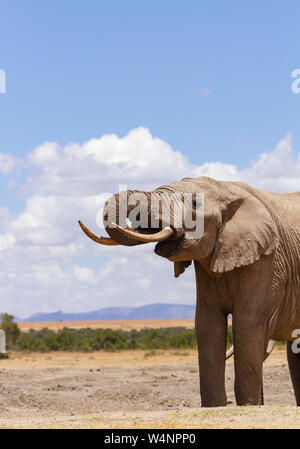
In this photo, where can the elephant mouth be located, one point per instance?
(168, 248)
(120, 235)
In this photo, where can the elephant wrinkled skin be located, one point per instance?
(247, 263)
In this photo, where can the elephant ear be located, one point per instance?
(179, 267)
(248, 231)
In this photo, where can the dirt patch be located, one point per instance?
(131, 388)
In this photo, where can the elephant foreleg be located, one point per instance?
(294, 367)
(211, 334)
(249, 343)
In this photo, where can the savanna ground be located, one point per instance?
(132, 389)
(125, 325)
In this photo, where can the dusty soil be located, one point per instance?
(131, 389)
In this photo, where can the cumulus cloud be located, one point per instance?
(7, 241)
(84, 274)
(278, 170)
(100, 165)
(52, 220)
(48, 264)
(7, 163)
(217, 170)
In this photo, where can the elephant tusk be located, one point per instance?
(97, 238)
(160, 236)
(229, 352)
(270, 348)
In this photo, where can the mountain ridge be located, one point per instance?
(149, 311)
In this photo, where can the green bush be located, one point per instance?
(229, 337)
(11, 329)
(88, 340)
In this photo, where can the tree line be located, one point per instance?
(88, 340)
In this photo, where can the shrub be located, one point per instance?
(87, 340)
(11, 329)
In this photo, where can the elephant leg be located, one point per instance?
(294, 367)
(262, 394)
(211, 335)
(249, 341)
(252, 325)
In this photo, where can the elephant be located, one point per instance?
(247, 264)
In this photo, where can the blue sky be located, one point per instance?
(210, 79)
(82, 69)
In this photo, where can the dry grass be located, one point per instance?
(88, 367)
(106, 324)
(62, 359)
(267, 417)
(52, 377)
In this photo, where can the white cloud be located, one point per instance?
(52, 220)
(100, 165)
(7, 163)
(46, 261)
(7, 241)
(45, 154)
(278, 170)
(84, 274)
(217, 170)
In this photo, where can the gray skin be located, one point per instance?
(247, 263)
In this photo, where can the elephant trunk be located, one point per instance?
(117, 213)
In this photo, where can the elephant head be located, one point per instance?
(237, 228)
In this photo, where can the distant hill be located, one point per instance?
(151, 311)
